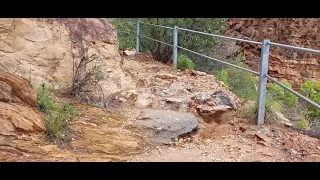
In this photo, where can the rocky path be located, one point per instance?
(286, 146)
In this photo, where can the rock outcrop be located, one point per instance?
(49, 49)
(294, 66)
(17, 106)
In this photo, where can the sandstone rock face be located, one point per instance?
(48, 49)
(294, 66)
(17, 106)
(15, 89)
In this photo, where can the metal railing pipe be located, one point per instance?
(229, 64)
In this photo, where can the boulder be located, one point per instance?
(166, 125)
(217, 114)
(178, 103)
(222, 98)
(202, 98)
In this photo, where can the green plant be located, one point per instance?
(312, 91)
(56, 125)
(125, 28)
(44, 99)
(57, 116)
(223, 76)
(242, 83)
(250, 110)
(184, 62)
(68, 107)
(278, 93)
(303, 124)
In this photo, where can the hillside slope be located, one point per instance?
(294, 66)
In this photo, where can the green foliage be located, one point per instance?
(68, 107)
(184, 62)
(272, 108)
(240, 82)
(278, 93)
(44, 99)
(303, 124)
(57, 115)
(312, 91)
(250, 110)
(223, 76)
(126, 30)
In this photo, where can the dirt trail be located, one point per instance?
(230, 145)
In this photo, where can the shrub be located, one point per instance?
(44, 99)
(126, 30)
(184, 62)
(278, 93)
(57, 115)
(87, 76)
(303, 124)
(312, 91)
(250, 110)
(223, 76)
(240, 82)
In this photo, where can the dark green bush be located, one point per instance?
(126, 30)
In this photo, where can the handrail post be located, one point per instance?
(175, 48)
(263, 80)
(138, 38)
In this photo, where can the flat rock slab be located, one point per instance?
(168, 124)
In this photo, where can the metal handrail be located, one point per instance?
(294, 92)
(229, 64)
(296, 48)
(224, 37)
(156, 40)
(156, 25)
